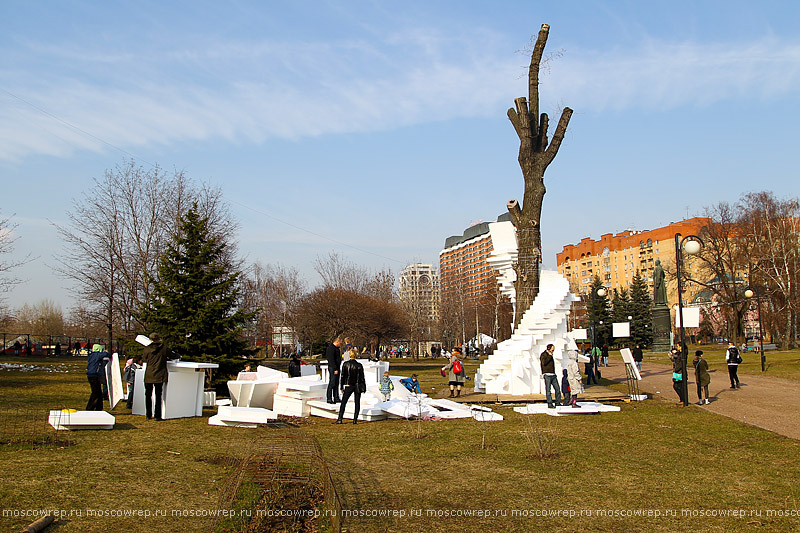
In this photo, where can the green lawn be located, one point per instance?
(652, 459)
(779, 363)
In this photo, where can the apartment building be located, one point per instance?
(419, 283)
(615, 259)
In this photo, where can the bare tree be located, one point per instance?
(535, 155)
(770, 229)
(7, 239)
(274, 292)
(119, 229)
(339, 273)
(42, 318)
(721, 264)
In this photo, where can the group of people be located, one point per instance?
(571, 384)
(155, 355)
(702, 376)
(346, 379)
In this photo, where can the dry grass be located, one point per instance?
(651, 457)
(779, 363)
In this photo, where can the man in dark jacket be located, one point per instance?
(638, 355)
(334, 357)
(294, 366)
(95, 371)
(155, 375)
(353, 382)
(549, 373)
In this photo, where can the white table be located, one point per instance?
(183, 392)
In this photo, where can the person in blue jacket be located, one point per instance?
(412, 384)
(95, 373)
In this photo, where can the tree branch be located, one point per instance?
(515, 211)
(533, 71)
(561, 129)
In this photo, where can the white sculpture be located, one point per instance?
(514, 366)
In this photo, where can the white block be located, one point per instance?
(217, 421)
(81, 420)
(209, 398)
(252, 415)
(486, 416)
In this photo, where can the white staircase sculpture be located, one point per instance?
(514, 366)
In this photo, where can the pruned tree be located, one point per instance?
(535, 155)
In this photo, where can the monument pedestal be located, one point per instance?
(661, 329)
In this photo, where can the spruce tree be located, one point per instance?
(196, 298)
(597, 311)
(641, 307)
(621, 309)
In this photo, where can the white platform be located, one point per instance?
(183, 393)
(81, 420)
(584, 408)
(251, 415)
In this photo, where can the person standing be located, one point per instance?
(638, 355)
(456, 375)
(95, 370)
(334, 357)
(701, 376)
(733, 358)
(294, 366)
(353, 383)
(574, 377)
(155, 355)
(386, 386)
(133, 364)
(548, 366)
(589, 368)
(676, 357)
(604, 353)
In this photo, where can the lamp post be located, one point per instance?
(749, 293)
(691, 244)
(600, 292)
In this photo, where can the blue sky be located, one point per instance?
(382, 125)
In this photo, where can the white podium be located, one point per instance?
(183, 393)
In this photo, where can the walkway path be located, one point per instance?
(764, 401)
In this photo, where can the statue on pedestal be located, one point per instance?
(659, 285)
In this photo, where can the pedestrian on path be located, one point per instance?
(676, 356)
(589, 369)
(733, 358)
(604, 353)
(701, 376)
(638, 355)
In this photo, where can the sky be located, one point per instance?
(377, 129)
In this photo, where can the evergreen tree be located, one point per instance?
(640, 307)
(196, 298)
(597, 311)
(621, 310)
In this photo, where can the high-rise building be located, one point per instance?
(615, 259)
(465, 272)
(419, 284)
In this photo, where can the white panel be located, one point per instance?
(691, 318)
(621, 329)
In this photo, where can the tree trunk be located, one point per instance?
(534, 157)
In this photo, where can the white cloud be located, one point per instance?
(250, 92)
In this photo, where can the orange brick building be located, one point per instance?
(463, 270)
(616, 258)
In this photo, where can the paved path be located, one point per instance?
(764, 401)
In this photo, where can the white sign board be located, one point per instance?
(691, 318)
(579, 334)
(627, 356)
(621, 329)
(114, 381)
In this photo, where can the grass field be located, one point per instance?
(779, 363)
(679, 468)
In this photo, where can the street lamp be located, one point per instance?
(749, 293)
(690, 244)
(600, 292)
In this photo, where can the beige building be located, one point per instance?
(615, 259)
(419, 283)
